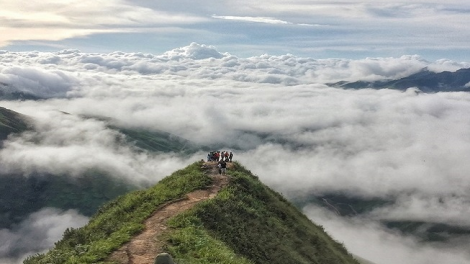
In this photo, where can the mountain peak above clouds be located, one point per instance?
(425, 80)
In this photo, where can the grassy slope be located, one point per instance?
(116, 222)
(246, 223)
(260, 225)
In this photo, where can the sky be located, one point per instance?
(232, 73)
(408, 146)
(308, 28)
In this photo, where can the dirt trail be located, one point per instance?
(144, 248)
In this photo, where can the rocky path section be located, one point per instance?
(144, 248)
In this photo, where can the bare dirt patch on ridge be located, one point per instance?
(144, 247)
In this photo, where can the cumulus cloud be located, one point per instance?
(275, 112)
(193, 51)
(37, 233)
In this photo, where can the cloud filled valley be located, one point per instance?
(300, 136)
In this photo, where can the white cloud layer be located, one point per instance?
(296, 133)
(67, 144)
(37, 233)
(368, 240)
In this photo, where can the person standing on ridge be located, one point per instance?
(223, 167)
(230, 156)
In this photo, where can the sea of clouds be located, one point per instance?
(276, 113)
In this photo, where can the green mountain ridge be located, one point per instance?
(246, 222)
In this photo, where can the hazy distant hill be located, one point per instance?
(22, 195)
(12, 122)
(158, 141)
(348, 206)
(9, 93)
(425, 80)
(240, 221)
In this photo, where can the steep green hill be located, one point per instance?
(246, 222)
(20, 196)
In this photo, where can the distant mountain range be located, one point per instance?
(10, 93)
(425, 80)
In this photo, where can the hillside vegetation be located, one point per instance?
(246, 222)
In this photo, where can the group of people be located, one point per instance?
(222, 158)
(219, 156)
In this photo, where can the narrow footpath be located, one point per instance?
(144, 247)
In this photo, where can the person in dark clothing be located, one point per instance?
(223, 167)
(230, 156)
